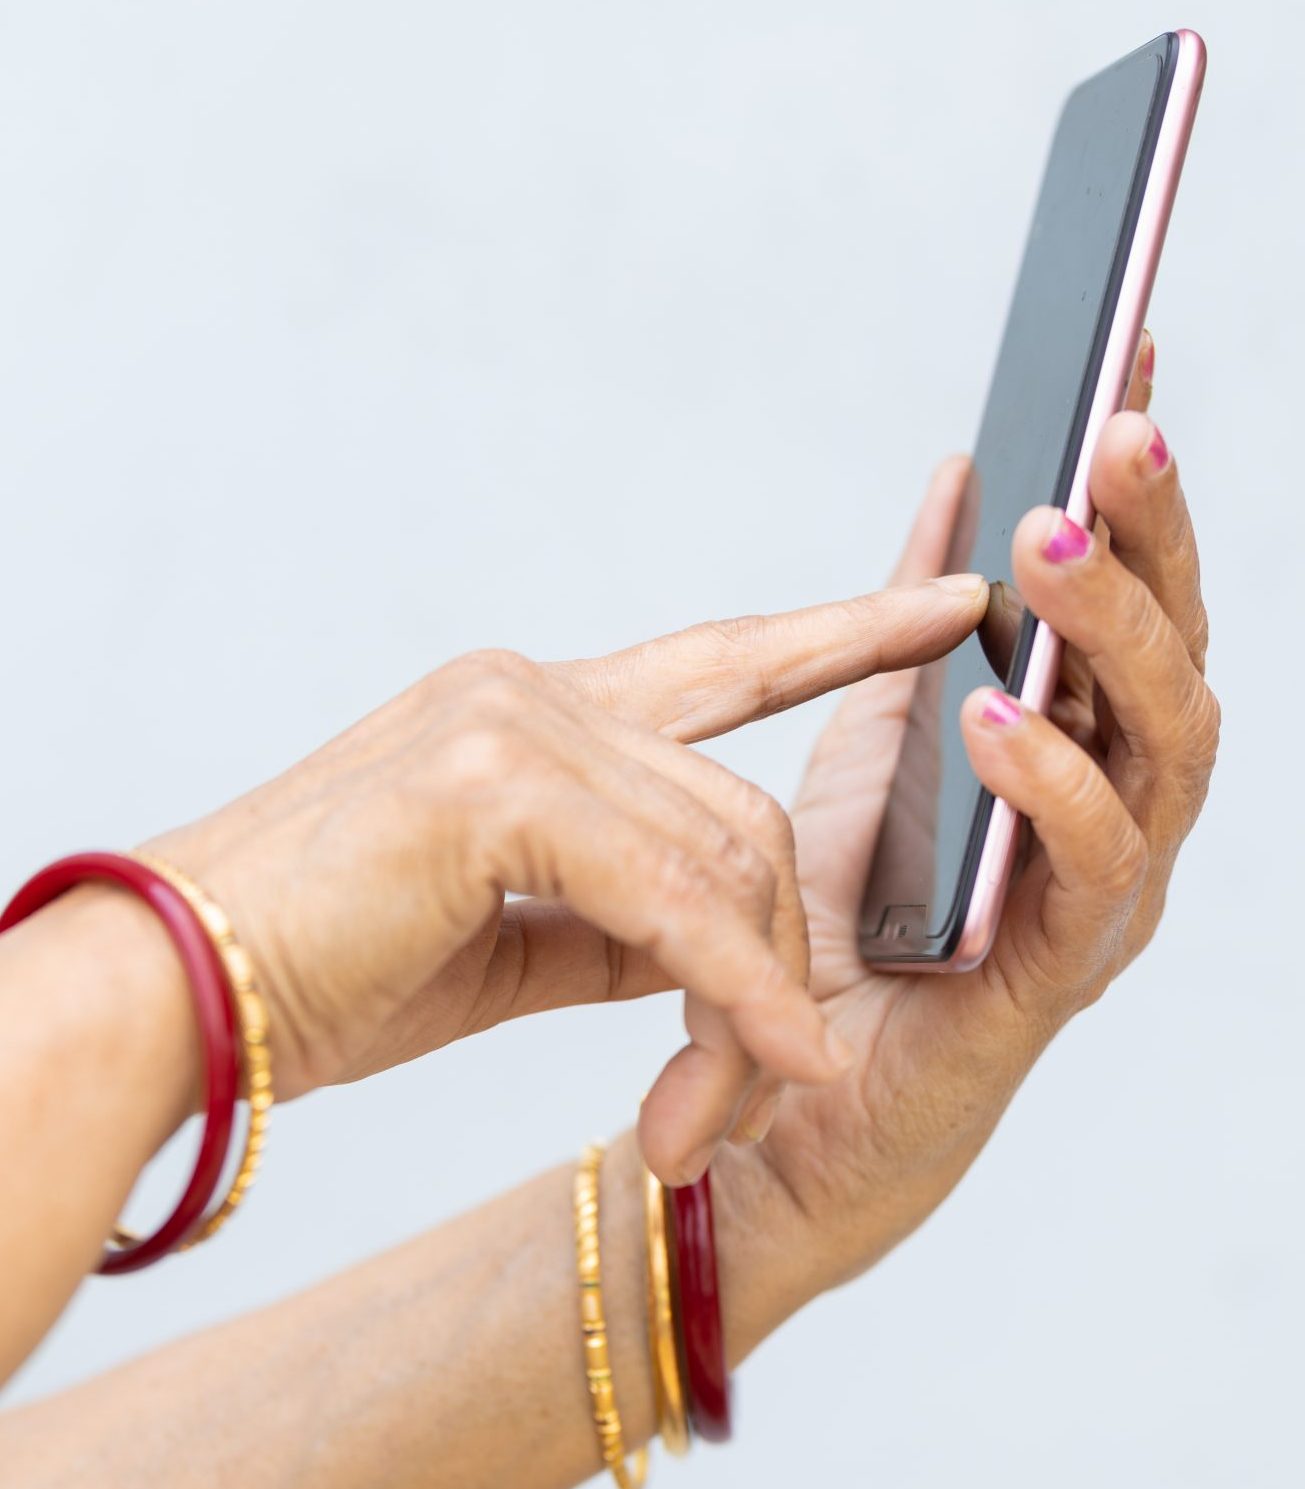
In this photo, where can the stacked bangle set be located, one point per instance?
(232, 1022)
(685, 1338)
(686, 1342)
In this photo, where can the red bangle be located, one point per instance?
(706, 1378)
(213, 1013)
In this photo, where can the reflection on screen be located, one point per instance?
(1024, 456)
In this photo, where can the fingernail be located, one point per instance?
(1066, 541)
(1154, 455)
(1148, 358)
(761, 1121)
(971, 586)
(840, 1053)
(1001, 708)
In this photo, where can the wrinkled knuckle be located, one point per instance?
(740, 633)
(1145, 623)
(1121, 860)
(493, 679)
(496, 661)
(1198, 738)
(1199, 644)
(1193, 780)
(737, 645)
(1076, 784)
(682, 880)
(749, 870)
(1195, 741)
(494, 685)
(484, 755)
(1125, 864)
(767, 820)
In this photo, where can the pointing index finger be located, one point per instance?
(714, 677)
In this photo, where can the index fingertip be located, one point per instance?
(967, 586)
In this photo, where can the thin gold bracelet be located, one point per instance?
(593, 1327)
(663, 1345)
(252, 1022)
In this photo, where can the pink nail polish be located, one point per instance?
(1148, 358)
(1067, 542)
(1001, 708)
(1157, 452)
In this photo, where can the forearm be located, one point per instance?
(97, 1065)
(454, 1360)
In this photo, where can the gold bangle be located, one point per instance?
(593, 1328)
(252, 1023)
(663, 1345)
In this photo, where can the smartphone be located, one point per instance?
(947, 847)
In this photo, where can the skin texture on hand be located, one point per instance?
(369, 883)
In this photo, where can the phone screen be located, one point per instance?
(1028, 447)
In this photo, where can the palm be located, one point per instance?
(935, 1068)
(938, 1060)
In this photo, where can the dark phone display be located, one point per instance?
(1025, 455)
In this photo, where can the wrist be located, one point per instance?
(764, 1263)
(108, 997)
(768, 1257)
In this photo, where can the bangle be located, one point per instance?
(593, 1328)
(663, 1327)
(706, 1377)
(213, 1016)
(252, 1023)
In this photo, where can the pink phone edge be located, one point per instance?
(997, 856)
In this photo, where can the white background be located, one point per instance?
(335, 340)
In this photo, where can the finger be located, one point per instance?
(546, 951)
(714, 677)
(1164, 713)
(1095, 852)
(690, 1110)
(753, 816)
(650, 893)
(712, 1085)
(1135, 487)
(731, 824)
(706, 1084)
(1142, 380)
(759, 1111)
(547, 956)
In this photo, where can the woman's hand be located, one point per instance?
(369, 882)
(1111, 784)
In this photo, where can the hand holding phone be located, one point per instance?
(938, 880)
(1112, 778)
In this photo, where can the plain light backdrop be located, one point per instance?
(338, 339)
